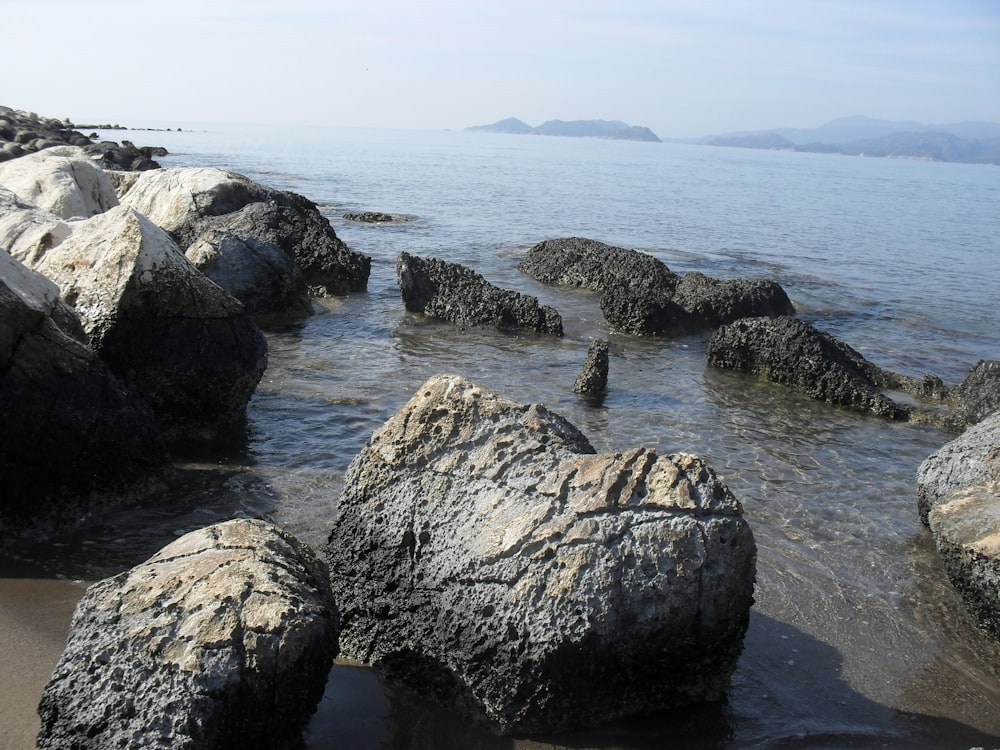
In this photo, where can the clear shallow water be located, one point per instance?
(856, 638)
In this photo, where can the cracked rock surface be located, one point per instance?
(485, 555)
(223, 639)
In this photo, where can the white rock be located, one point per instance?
(62, 180)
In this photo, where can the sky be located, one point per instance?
(684, 68)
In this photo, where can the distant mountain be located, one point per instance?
(573, 128)
(971, 142)
(510, 125)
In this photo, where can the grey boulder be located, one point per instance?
(206, 204)
(459, 295)
(170, 334)
(223, 639)
(958, 496)
(61, 180)
(484, 555)
(72, 435)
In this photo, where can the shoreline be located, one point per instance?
(35, 615)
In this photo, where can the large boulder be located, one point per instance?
(582, 262)
(170, 334)
(958, 497)
(223, 639)
(792, 352)
(969, 460)
(189, 202)
(257, 272)
(72, 435)
(483, 554)
(27, 232)
(61, 180)
(452, 292)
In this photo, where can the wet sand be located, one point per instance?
(34, 621)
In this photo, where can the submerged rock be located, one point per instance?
(72, 435)
(223, 639)
(172, 336)
(958, 497)
(792, 352)
(484, 555)
(461, 296)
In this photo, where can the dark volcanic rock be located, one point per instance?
(71, 432)
(643, 297)
(23, 133)
(223, 639)
(461, 296)
(791, 352)
(485, 556)
(715, 302)
(646, 312)
(978, 395)
(577, 261)
(593, 379)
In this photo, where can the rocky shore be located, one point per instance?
(483, 554)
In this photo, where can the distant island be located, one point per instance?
(573, 128)
(966, 142)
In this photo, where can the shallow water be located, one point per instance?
(856, 638)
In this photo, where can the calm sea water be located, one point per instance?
(856, 638)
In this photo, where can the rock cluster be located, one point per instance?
(641, 296)
(165, 352)
(223, 639)
(267, 247)
(24, 133)
(485, 555)
(958, 498)
(461, 296)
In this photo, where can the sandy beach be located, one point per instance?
(34, 621)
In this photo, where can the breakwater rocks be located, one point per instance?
(461, 296)
(958, 498)
(485, 555)
(117, 343)
(244, 233)
(24, 133)
(222, 639)
(642, 297)
(72, 433)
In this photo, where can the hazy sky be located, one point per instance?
(680, 67)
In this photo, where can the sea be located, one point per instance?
(856, 638)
